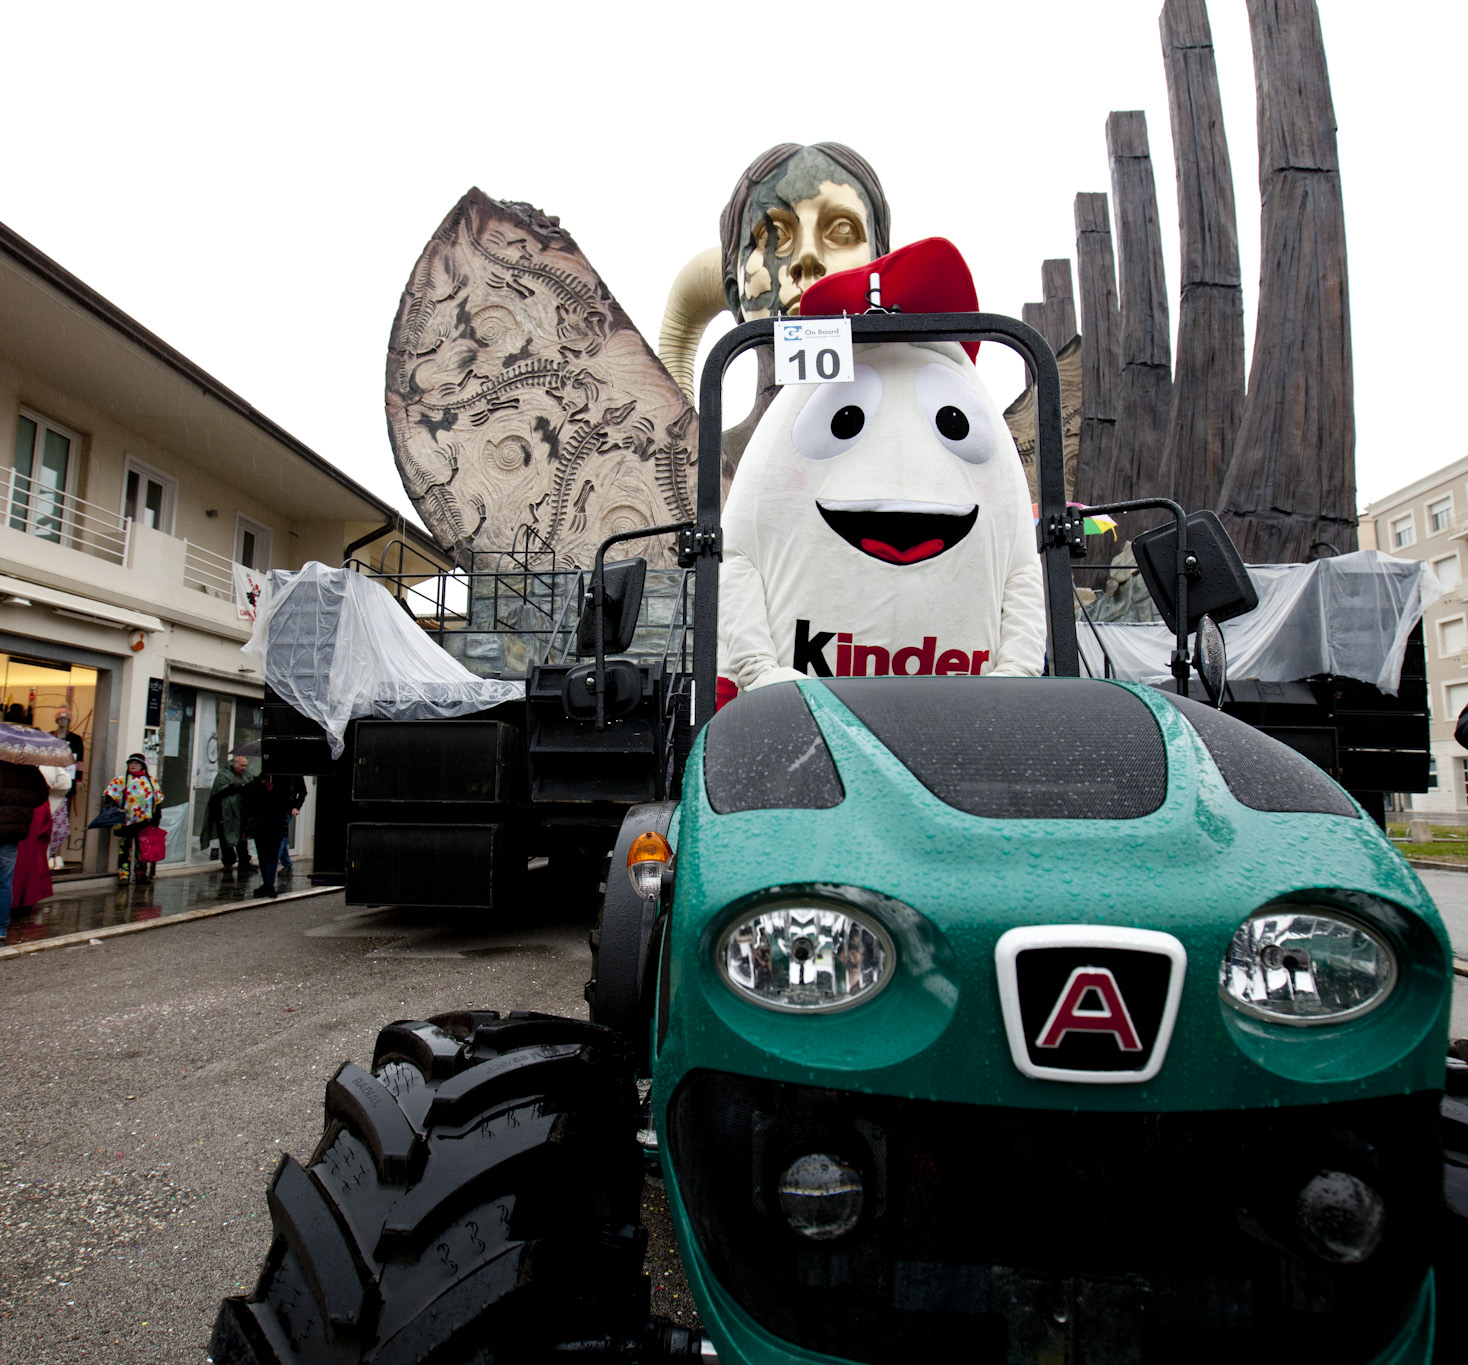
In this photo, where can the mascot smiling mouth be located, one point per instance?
(898, 532)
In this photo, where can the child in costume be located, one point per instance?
(138, 795)
(882, 526)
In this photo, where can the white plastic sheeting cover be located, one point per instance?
(1350, 615)
(337, 646)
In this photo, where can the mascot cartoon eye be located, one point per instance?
(957, 407)
(951, 422)
(835, 415)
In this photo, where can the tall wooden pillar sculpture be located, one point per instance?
(1100, 343)
(1055, 317)
(1290, 493)
(1055, 320)
(1145, 393)
(1208, 381)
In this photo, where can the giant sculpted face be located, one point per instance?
(798, 214)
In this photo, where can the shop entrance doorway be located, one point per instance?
(200, 730)
(42, 688)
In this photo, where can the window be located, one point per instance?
(1439, 514)
(1431, 773)
(45, 467)
(1446, 570)
(1453, 636)
(1457, 694)
(251, 544)
(148, 497)
(1403, 532)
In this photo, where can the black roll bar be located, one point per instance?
(1059, 526)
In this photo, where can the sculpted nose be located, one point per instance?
(807, 270)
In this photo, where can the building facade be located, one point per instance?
(1428, 520)
(138, 491)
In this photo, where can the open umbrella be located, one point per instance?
(249, 749)
(24, 744)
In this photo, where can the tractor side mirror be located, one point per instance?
(622, 584)
(1211, 659)
(1218, 584)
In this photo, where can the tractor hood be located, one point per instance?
(954, 811)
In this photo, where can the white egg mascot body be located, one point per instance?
(881, 526)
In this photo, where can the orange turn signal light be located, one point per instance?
(647, 856)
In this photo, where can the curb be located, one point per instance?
(1460, 968)
(86, 936)
(1438, 865)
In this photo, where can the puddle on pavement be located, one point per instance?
(73, 912)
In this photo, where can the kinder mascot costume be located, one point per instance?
(882, 526)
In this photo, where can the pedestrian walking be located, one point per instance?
(31, 882)
(271, 801)
(224, 817)
(22, 790)
(142, 804)
(60, 782)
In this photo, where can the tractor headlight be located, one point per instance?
(1306, 965)
(806, 955)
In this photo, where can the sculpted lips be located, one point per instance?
(899, 532)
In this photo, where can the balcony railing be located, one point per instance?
(208, 572)
(51, 513)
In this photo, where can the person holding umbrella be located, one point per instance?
(22, 790)
(225, 817)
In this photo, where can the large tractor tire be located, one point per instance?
(620, 992)
(474, 1200)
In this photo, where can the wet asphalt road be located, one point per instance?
(1449, 890)
(152, 1083)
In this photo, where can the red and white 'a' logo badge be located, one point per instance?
(1090, 1003)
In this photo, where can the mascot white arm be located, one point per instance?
(882, 526)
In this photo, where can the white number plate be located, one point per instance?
(813, 351)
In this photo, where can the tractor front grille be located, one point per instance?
(992, 1234)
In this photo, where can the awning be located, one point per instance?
(76, 605)
(250, 686)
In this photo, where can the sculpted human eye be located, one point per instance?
(784, 233)
(844, 232)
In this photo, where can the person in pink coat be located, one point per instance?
(31, 882)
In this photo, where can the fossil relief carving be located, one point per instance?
(524, 408)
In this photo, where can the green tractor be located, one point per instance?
(1029, 1019)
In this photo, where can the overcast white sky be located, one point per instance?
(254, 183)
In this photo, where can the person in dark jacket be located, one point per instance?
(225, 817)
(271, 800)
(22, 789)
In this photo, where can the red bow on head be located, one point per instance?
(925, 277)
